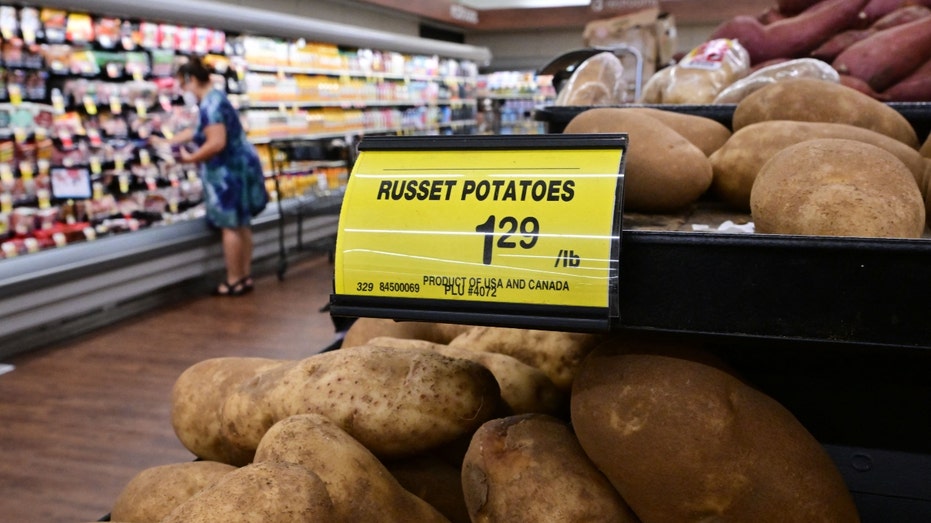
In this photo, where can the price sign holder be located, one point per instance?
(519, 231)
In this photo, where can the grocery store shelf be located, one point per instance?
(354, 104)
(249, 20)
(826, 289)
(289, 69)
(54, 294)
(360, 132)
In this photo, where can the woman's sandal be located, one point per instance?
(226, 288)
(248, 284)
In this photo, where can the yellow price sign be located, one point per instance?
(526, 227)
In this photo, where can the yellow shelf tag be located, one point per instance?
(487, 220)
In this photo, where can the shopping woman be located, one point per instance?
(234, 186)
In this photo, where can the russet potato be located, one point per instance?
(664, 171)
(154, 492)
(359, 485)
(682, 438)
(259, 493)
(530, 468)
(396, 402)
(524, 388)
(809, 100)
(197, 399)
(836, 187)
(557, 354)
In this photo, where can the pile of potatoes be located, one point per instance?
(803, 156)
(425, 422)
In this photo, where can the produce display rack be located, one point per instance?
(836, 329)
(557, 117)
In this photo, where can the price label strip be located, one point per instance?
(488, 230)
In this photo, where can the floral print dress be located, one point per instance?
(234, 186)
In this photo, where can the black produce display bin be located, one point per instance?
(557, 117)
(838, 330)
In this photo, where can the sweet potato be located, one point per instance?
(902, 15)
(888, 56)
(806, 100)
(794, 7)
(860, 86)
(838, 43)
(876, 9)
(770, 15)
(915, 87)
(792, 37)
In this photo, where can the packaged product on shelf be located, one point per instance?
(599, 80)
(9, 22)
(168, 37)
(700, 76)
(13, 52)
(130, 36)
(54, 23)
(218, 42)
(148, 35)
(57, 57)
(29, 24)
(108, 32)
(203, 38)
(83, 62)
(79, 28)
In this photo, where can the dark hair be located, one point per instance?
(196, 69)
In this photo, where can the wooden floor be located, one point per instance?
(79, 419)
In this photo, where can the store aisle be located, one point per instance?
(79, 419)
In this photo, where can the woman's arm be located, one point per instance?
(183, 136)
(215, 141)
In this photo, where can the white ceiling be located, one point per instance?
(520, 4)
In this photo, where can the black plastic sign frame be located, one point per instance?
(414, 243)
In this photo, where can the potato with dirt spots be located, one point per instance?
(807, 100)
(684, 439)
(664, 172)
(259, 493)
(197, 399)
(836, 187)
(531, 468)
(364, 329)
(557, 354)
(435, 481)
(359, 485)
(154, 492)
(737, 163)
(396, 402)
(524, 388)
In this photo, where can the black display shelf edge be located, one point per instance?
(839, 290)
(557, 117)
